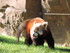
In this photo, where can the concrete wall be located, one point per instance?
(33, 8)
(60, 25)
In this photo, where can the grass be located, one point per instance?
(8, 45)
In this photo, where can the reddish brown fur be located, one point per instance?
(27, 25)
(30, 23)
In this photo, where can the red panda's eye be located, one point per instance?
(36, 29)
(44, 25)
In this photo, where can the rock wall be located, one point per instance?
(14, 11)
(11, 15)
(18, 4)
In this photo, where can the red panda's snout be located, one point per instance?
(35, 35)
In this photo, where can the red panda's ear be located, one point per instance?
(45, 24)
(34, 22)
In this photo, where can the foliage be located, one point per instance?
(8, 45)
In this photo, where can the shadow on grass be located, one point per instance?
(63, 49)
(4, 39)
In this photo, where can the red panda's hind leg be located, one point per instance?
(19, 31)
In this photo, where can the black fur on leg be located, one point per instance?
(49, 38)
(28, 41)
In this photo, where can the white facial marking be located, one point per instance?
(40, 31)
(33, 28)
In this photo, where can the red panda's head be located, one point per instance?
(37, 29)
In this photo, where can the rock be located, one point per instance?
(13, 18)
(18, 4)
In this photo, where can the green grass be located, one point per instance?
(8, 45)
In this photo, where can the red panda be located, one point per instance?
(37, 32)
